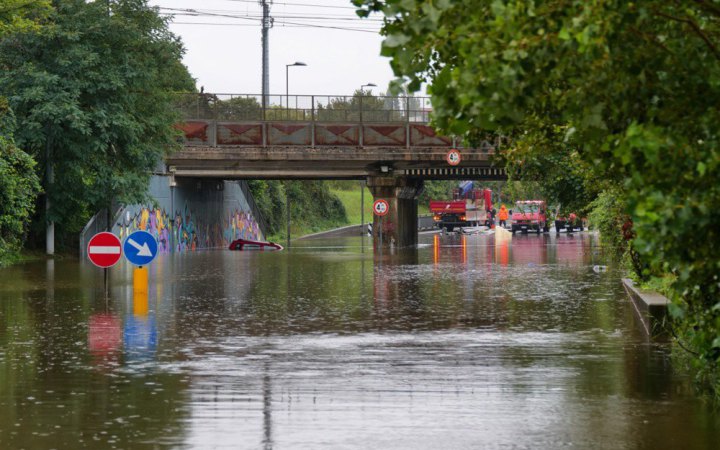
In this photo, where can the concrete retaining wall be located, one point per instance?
(651, 308)
(193, 214)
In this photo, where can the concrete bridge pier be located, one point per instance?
(399, 226)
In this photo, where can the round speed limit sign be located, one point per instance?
(381, 207)
(453, 157)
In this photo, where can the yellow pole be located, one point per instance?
(140, 291)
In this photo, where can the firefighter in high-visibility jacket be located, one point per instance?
(503, 216)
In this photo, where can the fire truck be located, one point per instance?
(469, 207)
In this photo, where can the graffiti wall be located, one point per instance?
(194, 214)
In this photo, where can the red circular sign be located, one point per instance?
(453, 157)
(381, 207)
(104, 249)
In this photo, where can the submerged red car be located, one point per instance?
(245, 244)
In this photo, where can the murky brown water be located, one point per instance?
(460, 344)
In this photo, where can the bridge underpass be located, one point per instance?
(391, 147)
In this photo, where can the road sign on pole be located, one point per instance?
(104, 249)
(140, 248)
(453, 157)
(381, 207)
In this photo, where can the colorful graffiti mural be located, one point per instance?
(183, 231)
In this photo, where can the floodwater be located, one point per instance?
(460, 344)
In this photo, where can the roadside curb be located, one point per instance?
(651, 308)
(334, 230)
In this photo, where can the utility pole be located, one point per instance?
(267, 23)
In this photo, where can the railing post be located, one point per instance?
(215, 107)
(264, 107)
(312, 121)
(407, 122)
(362, 129)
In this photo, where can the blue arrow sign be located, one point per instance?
(140, 248)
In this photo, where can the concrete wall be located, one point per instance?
(194, 214)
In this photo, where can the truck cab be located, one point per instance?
(530, 215)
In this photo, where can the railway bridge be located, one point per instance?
(385, 141)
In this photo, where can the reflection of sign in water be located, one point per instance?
(104, 335)
(140, 337)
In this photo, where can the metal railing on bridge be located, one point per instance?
(304, 108)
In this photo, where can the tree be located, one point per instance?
(18, 187)
(628, 90)
(91, 93)
(18, 182)
(350, 109)
(22, 15)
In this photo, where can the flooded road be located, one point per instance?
(459, 344)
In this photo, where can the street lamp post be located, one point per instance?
(287, 82)
(362, 92)
(287, 105)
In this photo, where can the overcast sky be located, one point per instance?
(227, 58)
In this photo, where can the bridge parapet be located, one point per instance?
(210, 133)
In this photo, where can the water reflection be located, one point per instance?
(105, 339)
(465, 342)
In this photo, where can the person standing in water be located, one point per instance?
(503, 216)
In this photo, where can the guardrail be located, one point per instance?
(96, 224)
(304, 108)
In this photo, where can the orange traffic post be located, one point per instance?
(140, 291)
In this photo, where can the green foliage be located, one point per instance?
(436, 190)
(18, 182)
(350, 199)
(91, 90)
(18, 187)
(608, 216)
(523, 190)
(312, 206)
(373, 109)
(22, 15)
(269, 196)
(620, 93)
(239, 108)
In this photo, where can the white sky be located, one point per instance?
(228, 58)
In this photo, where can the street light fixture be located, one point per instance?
(368, 85)
(287, 83)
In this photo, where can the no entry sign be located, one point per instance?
(381, 207)
(453, 157)
(104, 249)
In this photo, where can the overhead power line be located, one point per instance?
(242, 14)
(288, 24)
(289, 20)
(308, 5)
